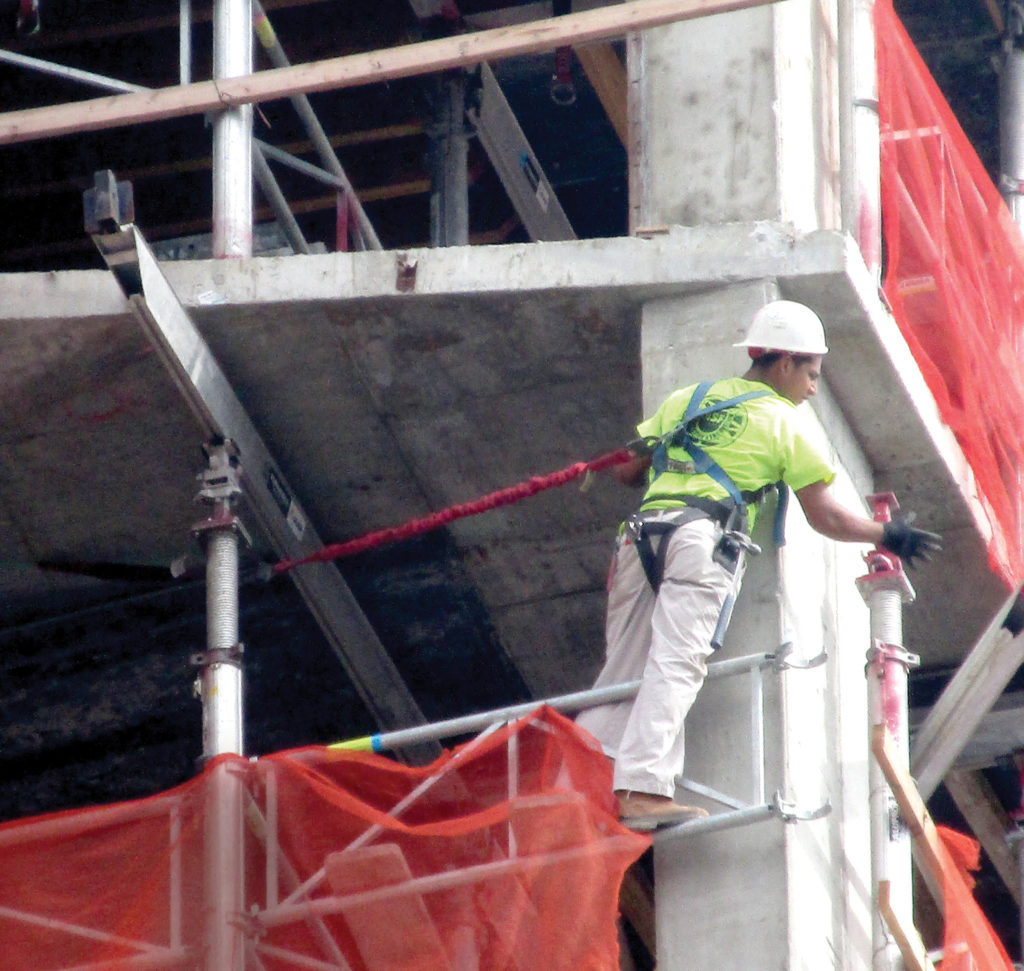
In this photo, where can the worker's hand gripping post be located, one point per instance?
(898, 536)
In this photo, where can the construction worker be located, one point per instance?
(709, 454)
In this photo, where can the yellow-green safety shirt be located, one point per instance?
(757, 442)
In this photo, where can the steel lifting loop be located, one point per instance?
(781, 661)
(789, 813)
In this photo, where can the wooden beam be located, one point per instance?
(996, 13)
(922, 830)
(915, 957)
(988, 821)
(607, 77)
(462, 50)
(973, 690)
(636, 903)
(930, 852)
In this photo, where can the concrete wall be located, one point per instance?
(734, 117)
(772, 894)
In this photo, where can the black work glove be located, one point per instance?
(906, 542)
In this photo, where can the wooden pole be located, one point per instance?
(984, 813)
(931, 855)
(355, 69)
(915, 957)
(607, 77)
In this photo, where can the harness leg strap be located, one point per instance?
(651, 559)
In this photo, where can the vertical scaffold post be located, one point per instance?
(232, 133)
(864, 150)
(1011, 163)
(220, 684)
(885, 589)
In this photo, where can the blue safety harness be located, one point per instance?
(730, 515)
(682, 437)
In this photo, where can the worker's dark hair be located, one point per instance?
(767, 360)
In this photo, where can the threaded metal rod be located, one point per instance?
(222, 681)
(886, 608)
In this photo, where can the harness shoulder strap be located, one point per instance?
(680, 437)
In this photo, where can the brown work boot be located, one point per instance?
(644, 811)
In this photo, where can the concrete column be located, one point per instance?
(772, 894)
(735, 117)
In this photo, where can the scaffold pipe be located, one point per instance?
(861, 152)
(232, 133)
(220, 682)
(367, 235)
(184, 41)
(567, 704)
(1011, 105)
(885, 589)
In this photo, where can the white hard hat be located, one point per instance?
(784, 325)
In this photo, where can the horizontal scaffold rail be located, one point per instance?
(567, 704)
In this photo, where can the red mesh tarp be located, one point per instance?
(505, 853)
(955, 280)
(969, 943)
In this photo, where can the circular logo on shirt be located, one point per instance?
(720, 427)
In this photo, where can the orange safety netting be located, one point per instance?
(504, 853)
(955, 280)
(969, 942)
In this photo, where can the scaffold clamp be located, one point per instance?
(781, 660)
(218, 655)
(220, 481)
(220, 488)
(880, 652)
(789, 813)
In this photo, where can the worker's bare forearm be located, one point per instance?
(846, 527)
(828, 517)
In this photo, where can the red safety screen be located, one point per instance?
(504, 853)
(954, 276)
(969, 942)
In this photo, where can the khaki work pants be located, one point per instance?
(664, 641)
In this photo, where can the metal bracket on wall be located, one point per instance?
(777, 808)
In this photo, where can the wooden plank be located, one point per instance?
(462, 50)
(927, 843)
(915, 956)
(930, 852)
(988, 821)
(636, 903)
(607, 77)
(996, 13)
(374, 924)
(978, 682)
